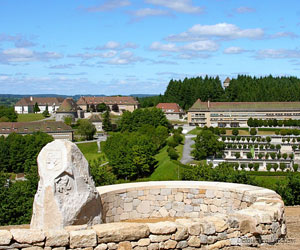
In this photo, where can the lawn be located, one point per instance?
(195, 131)
(90, 151)
(30, 117)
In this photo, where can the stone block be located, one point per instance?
(181, 233)
(179, 196)
(178, 206)
(57, 238)
(101, 247)
(143, 242)
(159, 238)
(194, 241)
(153, 246)
(166, 191)
(117, 232)
(5, 237)
(128, 207)
(112, 246)
(210, 193)
(144, 207)
(182, 244)
(125, 245)
(84, 238)
(162, 227)
(170, 244)
(28, 236)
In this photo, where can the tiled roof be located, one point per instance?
(30, 127)
(169, 107)
(95, 118)
(244, 106)
(68, 105)
(129, 100)
(26, 101)
(227, 80)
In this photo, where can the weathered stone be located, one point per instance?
(159, 238)
(153, 246)
(194, 241)
(143, 242)
(163, 212)
(178, 206)
(247, 226)
(203, 238)
(61, 248)
(166, 191)
(112, 246)
(101, 247)
(162, 227)
(194, 228)
(47, 248)
(208, 228)
(66, 193)
(27, 236)
(219, 244)
(170, 244)
(125, 245)
(219, 222)
(5, 237)
(116, 232)
(33, 248)
(181, 233)
(57, 238)
(182, 244)
(128, 207)
(179, 196)
(84, 238)
(144, 207)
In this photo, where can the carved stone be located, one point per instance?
(66, 193)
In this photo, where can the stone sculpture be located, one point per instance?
(66, 193)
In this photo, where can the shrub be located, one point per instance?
(275, 166)
(273, 155)
(243, 166)
(282, 166)
(269, 166)
(235, 131)
(173, 154)
(237, 155)
(272, 146)
(249, 155)
(256, 166)
(278, 156)
(295, 167)
(250, 166)
(172, 143)
(278, 146)
(291, 156)
(253, 138)
(253, 131)
(260, 155)
(284, 156)
(268, 139)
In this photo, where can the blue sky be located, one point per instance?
(130, 46)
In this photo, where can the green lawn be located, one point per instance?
(90, 151)
(30, 117)
(195, 131)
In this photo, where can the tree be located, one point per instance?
(275, 166)
(269, 167)
(115, 108)
(295, 167)
(173, 154)
(46, 112)
(235, 131)
(249, 155)
(282, 166)
(8, 114)
(207, 144)
(237, 155)
(256, 166)
(106, 124)
(86, 129)
(68, 120)
(36, 108)
(101, 107)
(253, 131)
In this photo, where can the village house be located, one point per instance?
(226, 82)
(172, 111)
(58, 130)
(26, 104)
(115, 103)
(236, 114)
(68, 108)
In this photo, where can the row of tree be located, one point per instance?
(242, 89)
(272, 123)
(8, 114)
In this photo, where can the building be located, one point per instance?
(226, 82)
(26, 104)
(58, 130)
(236, 114)
(68, 108)
(120, 103)
(96, 120)
(172, 111)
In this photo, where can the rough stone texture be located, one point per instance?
(57, 238)
(101, 247)
(194, 241)
(117, 232)
(84, 238)
(27, 236)
(162, 227)
(125, 245)
(143, 242)
(66, 193)
(5, 237)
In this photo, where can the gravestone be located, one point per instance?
(66, 192)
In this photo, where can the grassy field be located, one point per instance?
(90, 151)
(30, 117)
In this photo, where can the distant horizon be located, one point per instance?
(130, 46)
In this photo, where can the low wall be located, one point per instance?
(208, 215)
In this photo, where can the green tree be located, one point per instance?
(68, 120)
(173, 154)
(106, 124)
(36, 108)
(46, 112)
(8, 114)
(253, 131)
(101, 107)
(86, 129)
(235, 131)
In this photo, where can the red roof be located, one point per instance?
(129, 100)
(170, 107)
(26, 101)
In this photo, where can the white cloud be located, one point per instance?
(184, 6)
(141, 13)
(113, 45)
(277, 54)
(18, 40)
(234, 50)
(220, 30)
(284, 34)
(171, 47)
(242, 10)
(109, 5)
(15, 55)
(205, 45)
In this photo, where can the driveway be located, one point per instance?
(186, 154)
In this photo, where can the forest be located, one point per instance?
(242, 89)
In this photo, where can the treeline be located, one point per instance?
(272, 123)
(18, 153)
(242, 89)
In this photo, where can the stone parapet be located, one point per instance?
(207, 215)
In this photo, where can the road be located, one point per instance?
(186, 154)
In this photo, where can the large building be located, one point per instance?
(172, 111)
(236, 114)
(122, 103)
(58, 130)
(26, 104)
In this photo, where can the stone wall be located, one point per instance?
(207, 215)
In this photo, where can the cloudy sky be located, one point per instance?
(137, 46)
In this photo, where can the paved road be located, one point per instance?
(186, 154)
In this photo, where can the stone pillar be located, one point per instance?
(66, 193)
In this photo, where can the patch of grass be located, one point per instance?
(90, 150)
(195, 131)
(266, 132)
(30, 117)
(268, 181)
(242, 131)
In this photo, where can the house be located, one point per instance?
(26, 104)
(96, 120)
(115, 103)
(172, 111)
(236, 114)
(226, 82)
(68, 108)
(58, 130)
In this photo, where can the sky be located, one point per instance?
(123, 47)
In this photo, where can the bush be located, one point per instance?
(173, 154)
(253, 131)
(295, 167)
(237, 155)
(235, 131)
(278, 146)
(275, 166)
(177, 138)
(172, 143)
(250, 166)
(256, 166)
(269, 166)
(249, 155)
(243, 166)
